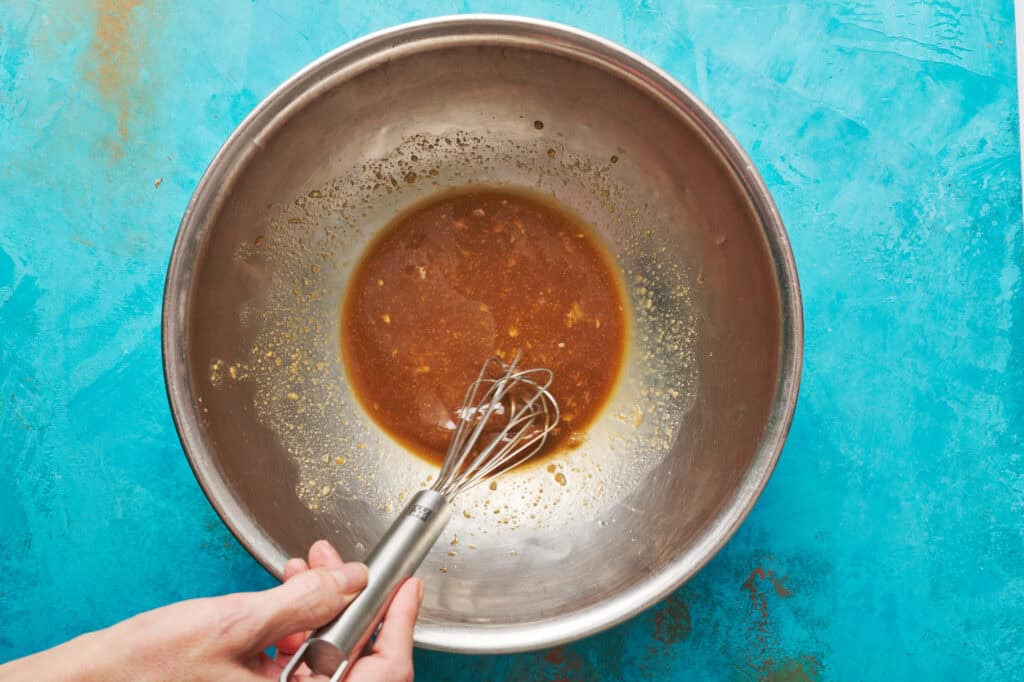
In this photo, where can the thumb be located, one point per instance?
(306, 601)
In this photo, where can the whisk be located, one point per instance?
(505, 419)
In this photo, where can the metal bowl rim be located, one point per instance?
(650, 590)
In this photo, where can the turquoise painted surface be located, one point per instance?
(888, 544)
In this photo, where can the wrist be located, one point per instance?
(83, 659)
(94, 657)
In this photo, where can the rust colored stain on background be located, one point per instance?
(760, 603)
(568, 664)
(112, 62)
(672, 620)
(803, 669)
(762, 627)
(602, 658)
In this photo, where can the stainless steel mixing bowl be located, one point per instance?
(589, 537)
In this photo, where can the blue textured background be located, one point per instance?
(889, 542)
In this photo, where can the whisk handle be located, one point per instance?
(333, 648)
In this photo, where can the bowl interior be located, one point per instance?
(688, 438)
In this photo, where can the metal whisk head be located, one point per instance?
(504, 420)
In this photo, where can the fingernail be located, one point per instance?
(419, 589)
(350, 577)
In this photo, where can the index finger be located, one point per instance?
(291, 643)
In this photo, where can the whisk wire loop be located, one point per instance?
(506, 417)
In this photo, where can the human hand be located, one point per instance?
(390, 657)
(222, 639)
